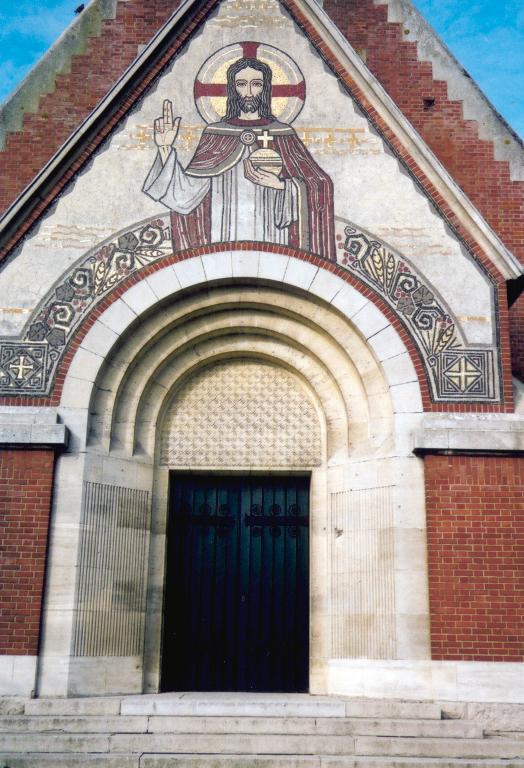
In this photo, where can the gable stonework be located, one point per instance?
(77, 91)
(375, 205)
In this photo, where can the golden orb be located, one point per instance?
(267, 160)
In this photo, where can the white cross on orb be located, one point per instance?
(265, 137)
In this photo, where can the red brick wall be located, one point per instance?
(26, 479)
(475, 520)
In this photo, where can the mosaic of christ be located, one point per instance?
(251, 177)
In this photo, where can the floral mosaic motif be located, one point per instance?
(455, 372)
(49, 331)
(404, 290)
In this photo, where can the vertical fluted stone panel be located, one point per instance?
(363, 585)
(112, 577)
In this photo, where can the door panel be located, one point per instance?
(237, 585)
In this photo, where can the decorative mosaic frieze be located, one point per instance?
(28, 366)
(456, 372)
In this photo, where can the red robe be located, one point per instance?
(220, 148)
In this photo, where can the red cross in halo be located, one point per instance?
(249, 51)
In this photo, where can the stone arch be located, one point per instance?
(168, 339)
(145, 346)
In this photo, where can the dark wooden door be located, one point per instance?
(236, 614)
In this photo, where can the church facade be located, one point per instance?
(261, 359)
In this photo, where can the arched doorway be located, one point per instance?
(236, 599)
(118, 405)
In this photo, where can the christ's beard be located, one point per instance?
(250, 104)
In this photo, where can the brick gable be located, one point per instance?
(389, 56)
(455, 141)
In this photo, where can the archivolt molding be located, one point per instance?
(455, 372)
(205, 352)
(305, 337)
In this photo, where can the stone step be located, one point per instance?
(57, 760)
(73, 724)
(55, 742)
(231, 705)
(319, 726)
(89, 706)
(255, 744)
(178, 744)
(315, 745)
(263, 761)
(11, 705)
(401, 710)
(243, 705)
(274, 705)
(247, 725)
(463, 748)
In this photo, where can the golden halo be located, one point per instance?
(289, 87)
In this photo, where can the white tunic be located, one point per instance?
(240, 209)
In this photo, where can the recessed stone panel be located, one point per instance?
(242, 413)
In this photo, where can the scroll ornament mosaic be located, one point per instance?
(28, 366)
(456, 372)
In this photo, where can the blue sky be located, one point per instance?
(486, 36)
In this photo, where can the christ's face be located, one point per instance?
(249, 84)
